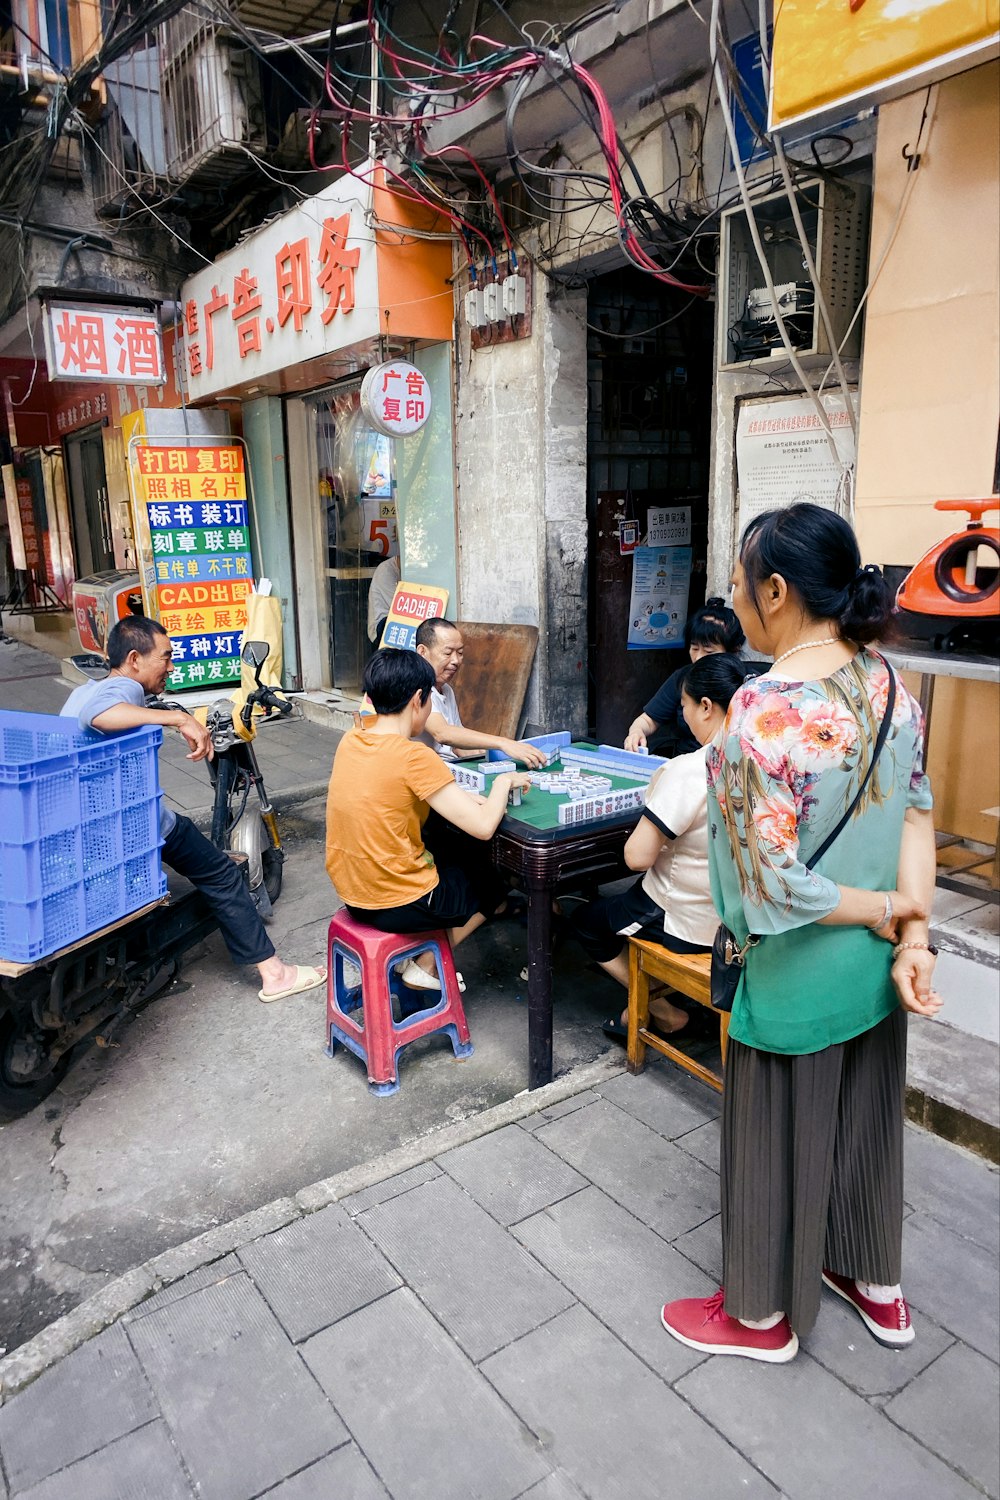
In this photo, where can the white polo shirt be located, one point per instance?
(443, 702)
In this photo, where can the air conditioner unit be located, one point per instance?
(835, 218)
(212, 110)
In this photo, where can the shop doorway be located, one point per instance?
(649, 368)
(357, 493)
(89, 505)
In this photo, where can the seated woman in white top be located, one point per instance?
(671, 903)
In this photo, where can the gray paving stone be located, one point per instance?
(211, 1275)
(123, 1470)
(381, 1192)
(617, 1429)
(430, 1425)
(620, 1269)
(94, 1395)
(662, 1185)
(843, 1345)
(952, 1408)
(564, 1107)
(954, 1281)
(243, 1410)
(703, 1247)
(317, 1270)
(511, 1174)
(812, 1436)
(703, 1143)
(663, 1097)
(555, 1486)
(958, 1189)
(343, 1475)
(483, 1286)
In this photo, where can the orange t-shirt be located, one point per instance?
(375, 810)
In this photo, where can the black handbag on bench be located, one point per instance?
(727, 954)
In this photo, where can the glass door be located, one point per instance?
(357, 493)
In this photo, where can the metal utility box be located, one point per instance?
(835, 219)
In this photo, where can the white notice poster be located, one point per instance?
(668, 526)
(783, 455)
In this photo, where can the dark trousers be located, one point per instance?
(451, 846)
(812, 1171)
(220, 881)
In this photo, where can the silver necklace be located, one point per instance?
(830, 640)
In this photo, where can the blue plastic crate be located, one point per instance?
(144, 880)
(30, 930)
(141, 827)
(100, 844)
(41, 867)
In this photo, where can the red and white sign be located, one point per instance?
(108, 344)
(305, 284)
(396, 398)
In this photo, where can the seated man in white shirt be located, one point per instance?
(440, 642)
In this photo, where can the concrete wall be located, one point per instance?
(522, 455)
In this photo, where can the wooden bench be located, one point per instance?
(689, 974)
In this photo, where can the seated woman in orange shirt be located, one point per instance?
(383, 786)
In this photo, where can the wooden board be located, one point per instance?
(11, 969)
(494, 676)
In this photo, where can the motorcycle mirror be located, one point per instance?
(91, 665)
(255, 653)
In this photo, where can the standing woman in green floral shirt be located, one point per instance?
(812, 1120)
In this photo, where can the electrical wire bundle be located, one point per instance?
(420, 87)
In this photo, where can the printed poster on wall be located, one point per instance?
(783, 456)
(661, 578)
(198, 571)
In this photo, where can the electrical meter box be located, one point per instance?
(100, 601)
(835, 219)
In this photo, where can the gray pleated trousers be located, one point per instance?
(812, 1171)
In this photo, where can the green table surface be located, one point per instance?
(541, 809)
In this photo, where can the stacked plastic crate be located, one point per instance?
(79, 831)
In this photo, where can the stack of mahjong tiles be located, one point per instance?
(478, 778)
(594, 765)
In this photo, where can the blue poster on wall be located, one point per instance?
(661, 578)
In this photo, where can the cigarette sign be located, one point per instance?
(117, 344)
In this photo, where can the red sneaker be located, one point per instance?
(706, 1326)
(889, 1322)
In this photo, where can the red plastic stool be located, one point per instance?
(360, 1017)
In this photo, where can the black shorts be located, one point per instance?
(603, 927)
(450, 904)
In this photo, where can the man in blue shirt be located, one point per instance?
(139, 655)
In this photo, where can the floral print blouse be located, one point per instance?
(782, 773)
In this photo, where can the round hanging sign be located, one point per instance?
(396, 398)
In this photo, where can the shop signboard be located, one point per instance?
(304, 285)
(105, 344)
(197, 568)
(832, 57)
(661, 578)
(412, 603)
(396, 398)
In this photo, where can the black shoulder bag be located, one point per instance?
(727, 955)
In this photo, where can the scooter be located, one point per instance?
(49, 1008)
(949, 597)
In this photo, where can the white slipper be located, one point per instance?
(306, 978)
(416, 978)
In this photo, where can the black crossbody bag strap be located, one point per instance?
(882, 736)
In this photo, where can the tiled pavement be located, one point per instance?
(484, 1326)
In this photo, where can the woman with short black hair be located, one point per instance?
(828, 742)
